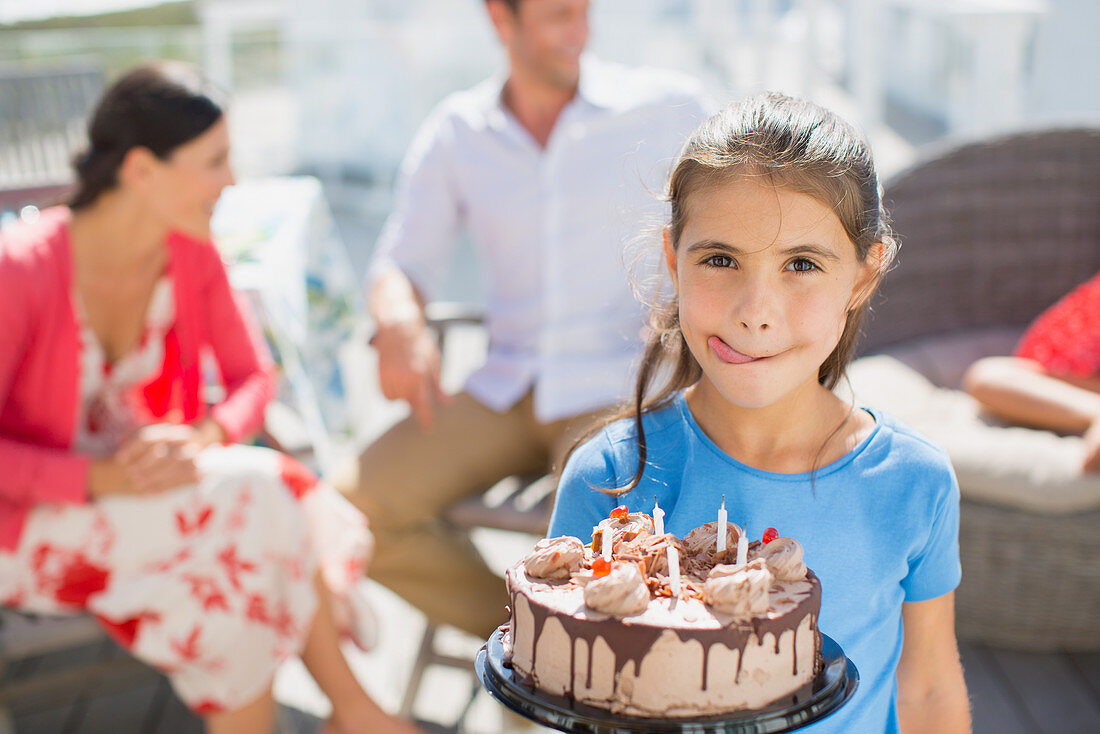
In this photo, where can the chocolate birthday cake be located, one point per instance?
(637, 637)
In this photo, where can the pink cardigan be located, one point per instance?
(39, 362)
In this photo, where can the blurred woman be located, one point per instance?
(121, 494)
(1052, 381)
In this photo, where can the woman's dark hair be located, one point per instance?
(785, 142)
(159, 107)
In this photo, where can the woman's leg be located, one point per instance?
(353, 710)
(1020, 391)
(257, 717)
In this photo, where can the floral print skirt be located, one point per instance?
(212, 583)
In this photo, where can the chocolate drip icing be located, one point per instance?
(588, 680)
(706, 657)
(794, 652)
(630, 640)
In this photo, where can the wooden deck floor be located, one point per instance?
(1011, 693)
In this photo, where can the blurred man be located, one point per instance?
(553, 167)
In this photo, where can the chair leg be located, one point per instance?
(475, 686)
(423, 658)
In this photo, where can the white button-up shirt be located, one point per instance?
(554, 227)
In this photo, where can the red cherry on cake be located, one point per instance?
(769, 535)
(620, 512)
(601, 566)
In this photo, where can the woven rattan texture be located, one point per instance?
(992, 233)
(1030, 582)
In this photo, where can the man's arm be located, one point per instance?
(932, 694)
(414, 247)
(408, 357)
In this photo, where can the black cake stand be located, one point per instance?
(830, 689)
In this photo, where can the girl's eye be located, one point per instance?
(719, 261)
(802, 265)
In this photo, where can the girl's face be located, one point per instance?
(765, 277)
(182, 190)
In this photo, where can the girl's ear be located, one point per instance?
(670, 258)
(871, 271)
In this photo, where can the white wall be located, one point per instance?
(1066, 80)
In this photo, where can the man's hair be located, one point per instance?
(513, 4)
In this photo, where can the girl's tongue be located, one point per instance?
(727, 353)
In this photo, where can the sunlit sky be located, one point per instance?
(16, 10)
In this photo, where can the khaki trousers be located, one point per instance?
(407, 478)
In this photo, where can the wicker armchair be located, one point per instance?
(993, 232)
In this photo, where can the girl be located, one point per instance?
(777, 238)
(119, 495)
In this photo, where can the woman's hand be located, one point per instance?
(157, 458)
(161, 457)
(1092, 447)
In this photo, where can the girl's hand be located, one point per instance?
(161, 457)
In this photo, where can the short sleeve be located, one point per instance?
(421, 232)
(935, 570)
(580, 505)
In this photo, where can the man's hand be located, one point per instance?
(409, 367)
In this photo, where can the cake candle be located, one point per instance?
(743, 547)
(658, 519)
(722, 520)
(606, 543)
(674, 570)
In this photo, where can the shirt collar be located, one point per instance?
(595, 85)
(594, 88)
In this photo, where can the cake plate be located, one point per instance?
(830, 689)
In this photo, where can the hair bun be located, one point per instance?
(85, 160)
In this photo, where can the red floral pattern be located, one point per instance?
(300, 480)
(126, 631)
(184, 579)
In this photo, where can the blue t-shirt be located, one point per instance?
(879, 527)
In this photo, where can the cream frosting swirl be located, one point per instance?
(704, 539)
(634, 526)
(555, 558)
(621, 593)
(784, 559)
(739, 590)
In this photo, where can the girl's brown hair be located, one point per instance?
(788, 142)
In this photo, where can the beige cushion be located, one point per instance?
(1036, 471)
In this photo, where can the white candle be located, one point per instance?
(607, 536)
(743, 547)
(674, 570)
(658, 519)
(722, 519)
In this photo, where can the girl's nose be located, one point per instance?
(754, 309)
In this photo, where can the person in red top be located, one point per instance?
(121, 495)
(1053, 379)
